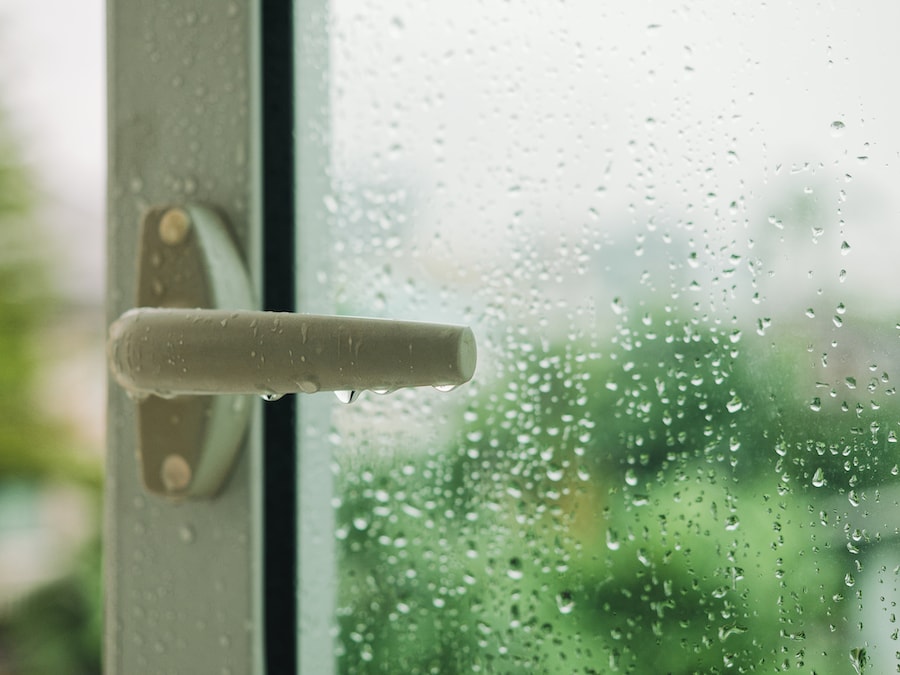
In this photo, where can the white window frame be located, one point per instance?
(183, 582)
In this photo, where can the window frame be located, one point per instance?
(183, 581)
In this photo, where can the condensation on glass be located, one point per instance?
(673, 231)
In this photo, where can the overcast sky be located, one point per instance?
(52, 87)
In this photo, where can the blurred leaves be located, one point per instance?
(649, 509)
(57, 628)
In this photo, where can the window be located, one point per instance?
(670, 230)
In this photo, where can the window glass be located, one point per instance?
(672, 230)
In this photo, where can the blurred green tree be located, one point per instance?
(55, 629)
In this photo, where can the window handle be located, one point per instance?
(192, 351)
(167, 352)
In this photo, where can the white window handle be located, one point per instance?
(168, 352)
(193, 335)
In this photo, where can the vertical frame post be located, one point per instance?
(183, 580)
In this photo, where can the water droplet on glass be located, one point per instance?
(849, 580)
(845, 248)
(837, 128)
(612, 541)
(858, 659)
(631, 478)
(818, 479)
(734, 404)
(564, 602)
(816, 404)
(347, 396)
(271, 396)
(555, 474)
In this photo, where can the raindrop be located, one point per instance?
(347, 396)
(845, 248)
(271, 396)
(445, 387)
(564, 602)
(555, 474)
(818, 479)
(816, 404)
(732, 523)
(308, 386)
(734, 404)
(631, 478)
(612, 541)
(849, 580)
(837, 128)
(858, 659)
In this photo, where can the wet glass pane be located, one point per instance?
(672, 228)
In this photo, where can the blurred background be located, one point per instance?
(52, 177)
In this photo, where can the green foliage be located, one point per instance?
(649, 509)
(30, 445)
(56, 629)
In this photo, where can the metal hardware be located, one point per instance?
(193, 350)
(187, 445)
